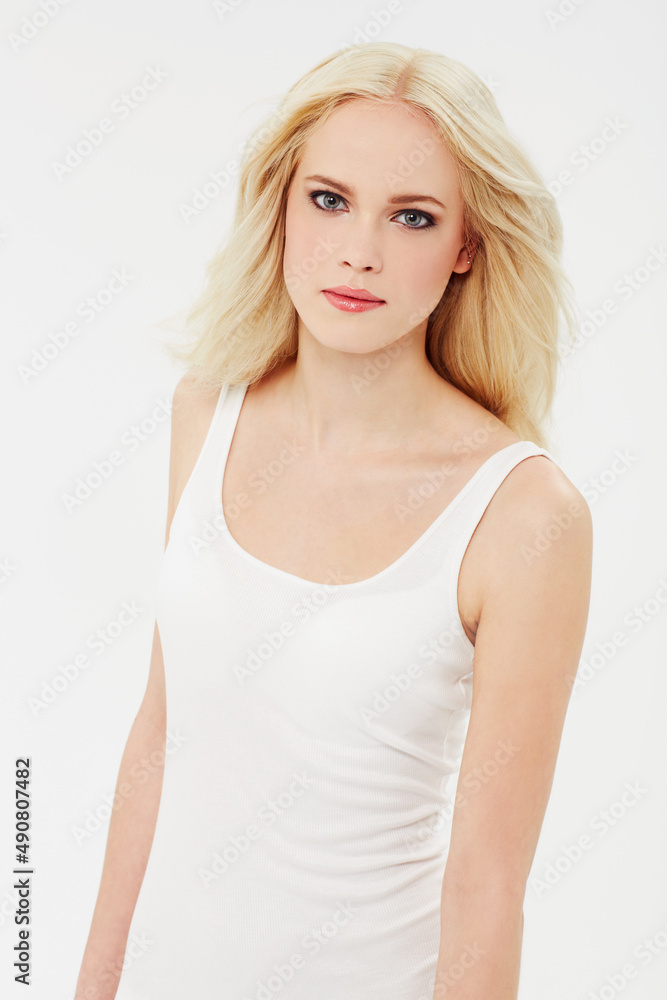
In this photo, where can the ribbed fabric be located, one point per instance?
(315, 735)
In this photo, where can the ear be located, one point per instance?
(462, 263)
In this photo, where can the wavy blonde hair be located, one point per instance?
(495, 332)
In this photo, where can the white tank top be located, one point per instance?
(315, 734)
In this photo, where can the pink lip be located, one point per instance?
(354, 293)
(352, 299)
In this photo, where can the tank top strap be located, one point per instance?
(477, 495)
(198, 500)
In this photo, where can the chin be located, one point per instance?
(356, 332)
(350, 340)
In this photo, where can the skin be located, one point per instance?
(331, 516)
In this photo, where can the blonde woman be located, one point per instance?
(376, 584)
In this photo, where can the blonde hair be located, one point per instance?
(494, 334)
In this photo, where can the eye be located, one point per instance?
(413, 211)
(326, 194)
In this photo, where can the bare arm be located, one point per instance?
(139, 784)
(531, 630)
(129, 841)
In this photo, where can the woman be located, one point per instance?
(360, 505)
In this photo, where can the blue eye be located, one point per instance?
(413, 211)
(406, 211)
(329, 194)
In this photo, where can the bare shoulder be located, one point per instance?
(535, 506)
(536, 528)
(191, 402)
(535, 494)
(191, 415)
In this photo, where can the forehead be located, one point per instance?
(370, 143)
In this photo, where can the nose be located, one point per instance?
(360, 248)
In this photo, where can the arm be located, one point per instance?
(532, 623)
(132, 826)
(129, 840)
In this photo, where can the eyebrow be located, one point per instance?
(399, 199)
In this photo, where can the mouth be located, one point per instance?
(352, 299)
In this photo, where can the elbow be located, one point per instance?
(504, 888)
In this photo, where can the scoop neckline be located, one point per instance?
(241, 389)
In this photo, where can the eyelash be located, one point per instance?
(330, 211)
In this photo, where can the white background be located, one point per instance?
(557, 78)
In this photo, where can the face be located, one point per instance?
(374, 204)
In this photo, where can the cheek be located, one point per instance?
(426, 273)
(419, 283)
(301, 242)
